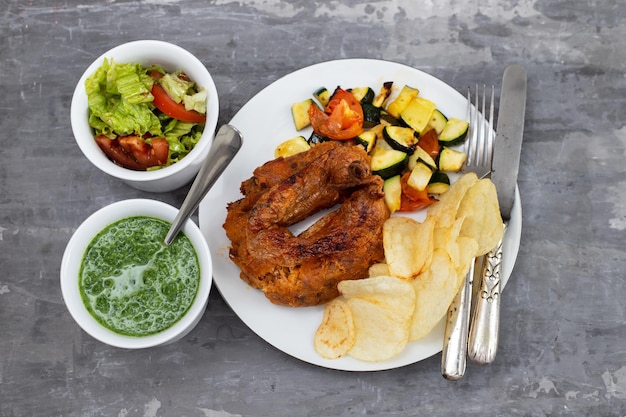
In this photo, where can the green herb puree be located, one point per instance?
(134, 284)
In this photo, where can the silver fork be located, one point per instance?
(479, 149)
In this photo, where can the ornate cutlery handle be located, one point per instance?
(483, 338)
(453, 355)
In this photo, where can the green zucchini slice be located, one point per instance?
(451, 160)
(400, 138)
(383, 94)
(367, 139)
(418, 113)
(438, 121)
(454, 133)
(420, 176)
(389, 119)
(322, 95)
(392, 187)
(291, 147)
(300, 113)
(315, 139)
(371, 115)
(365, 95)
(399, 104)
(439, 183)
(423, 156)
(387, 162)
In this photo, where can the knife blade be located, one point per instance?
(509, 134)
(484, 327)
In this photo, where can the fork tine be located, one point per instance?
(479, 146)
(480, 160)
(472, 144)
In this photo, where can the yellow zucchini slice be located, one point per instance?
(399, 104)
(291, 147)
(418, 113)
(300, 113)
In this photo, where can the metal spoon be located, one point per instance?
(225, 146)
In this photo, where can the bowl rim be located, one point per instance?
(144, 48)
(74, 252)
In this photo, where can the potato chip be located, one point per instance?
(408, 246)
(380, 335)
(390, 293)
(434, 291)
(481, 211)
(378, 269)
(467, 248)
(335, 336)
(446, 238)
(445, 210)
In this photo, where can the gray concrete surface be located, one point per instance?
(563, 341)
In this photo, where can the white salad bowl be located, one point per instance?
(171, 58)
(73, 258)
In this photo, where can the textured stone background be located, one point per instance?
(563, 341)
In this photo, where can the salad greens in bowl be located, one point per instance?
(146, 112)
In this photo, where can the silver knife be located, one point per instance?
(484, 328)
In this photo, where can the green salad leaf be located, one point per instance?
(119, 101)
(121, 104)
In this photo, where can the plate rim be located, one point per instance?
(346, 363)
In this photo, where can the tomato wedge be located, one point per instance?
(342, 119)
(412, 199)
(145, 154)
(114, 151)
(173, 109)
(429, 142)
(132, 152)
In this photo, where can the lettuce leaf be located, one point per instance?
(120, 104)
(120, 101)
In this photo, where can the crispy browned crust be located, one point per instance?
(304, 270)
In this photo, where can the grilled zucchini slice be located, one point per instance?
(420, 176)
(322, 95)
(371, 115)
(418, 113)
(363, 94)
(315, 139)
(454, 133)
(387, 162)
(423, 156)
(438, 121)
(300, 113)
(383, 94)
(451, 160)
(367, 139)
(439, 183)
(389, 119)
(392, 187)
(399, 104)
(400, 138)
(291, 147)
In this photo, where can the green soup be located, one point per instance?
(134, 284)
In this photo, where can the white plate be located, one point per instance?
(266, 121)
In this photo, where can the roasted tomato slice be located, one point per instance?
(413, 199)
(342, 118)
(429, 142)
(132, 152)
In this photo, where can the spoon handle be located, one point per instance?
(225, 146)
